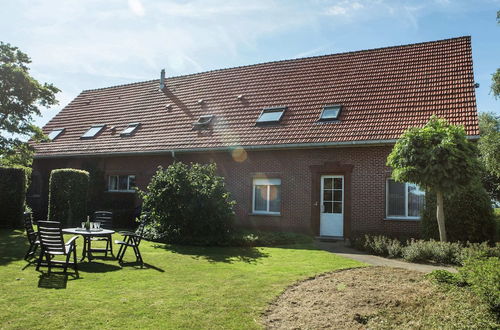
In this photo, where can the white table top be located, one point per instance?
(85, 232)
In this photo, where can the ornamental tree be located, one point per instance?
(438, 157)
(21, 97)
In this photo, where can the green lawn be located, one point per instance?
(180, 287)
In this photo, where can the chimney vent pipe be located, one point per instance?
(162, 79)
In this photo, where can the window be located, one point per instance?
(121, 183)
(404, 200)
(129, 129)
(93, 131)
(55, 133)
(271, 115)
(266, 196)
(330, 112)
(203, 121)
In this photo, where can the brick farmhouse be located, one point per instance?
(302, 143)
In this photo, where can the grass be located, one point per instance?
(180, 286)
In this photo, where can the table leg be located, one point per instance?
(89, 250)
(111, 245)
(84, 253)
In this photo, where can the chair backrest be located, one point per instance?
(51, 237)
(139, 231)
(28, 226)
(105, 218)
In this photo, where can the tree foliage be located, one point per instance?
(437, 157)
(21, 97)
(188, 204)
(489, 148)
(495, 77)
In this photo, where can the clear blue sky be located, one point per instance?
(88, 44)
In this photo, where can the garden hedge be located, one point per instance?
(13, 184)
(468, 212)
(68, 190)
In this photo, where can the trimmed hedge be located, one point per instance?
(13, 184)
(468, 212)
(68, 190)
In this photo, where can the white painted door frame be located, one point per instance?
(331, 220)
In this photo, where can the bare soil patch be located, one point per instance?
(355, 299)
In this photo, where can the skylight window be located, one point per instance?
(129, 129)
(203, 121)
(271, 115)
(93, 131)
(330, 112)
(55, 133)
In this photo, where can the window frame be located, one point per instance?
(203, 121)
(100, 126)
(399, 217)
(267, 183)
(59, 132)
(118, 180)
(267, 110)
(134, 127)
(326, 107)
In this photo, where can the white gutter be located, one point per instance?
(172, 152)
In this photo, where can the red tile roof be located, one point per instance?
(382, 92)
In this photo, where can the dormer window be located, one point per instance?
(271, 115)
(93, 131)
(130, 129)
(330, 112)
(55, 133)
(203, 121)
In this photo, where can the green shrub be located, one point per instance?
(469, 215)
(188, 204)
(68, 196)
(444, 276)
(478, 251)
(431, 251)
(483, 276)
(263, 238)
(13, 183)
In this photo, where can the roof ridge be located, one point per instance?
(280, 61)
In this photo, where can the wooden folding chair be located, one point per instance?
(131, 239)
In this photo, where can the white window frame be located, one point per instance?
(130, 129)
(338, 107)
(399, 217)
(118, 180)
(280, 110)
(55, 133)
(268, 183)
(86, 135)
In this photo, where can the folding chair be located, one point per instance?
(32, 236)
(52, 244)
(106, 220)
(131, 239)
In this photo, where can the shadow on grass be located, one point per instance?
(217, 254)
(138, 265)
(13, 246)
(97, 267)
(54, 280)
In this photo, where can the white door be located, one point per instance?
(332, 206)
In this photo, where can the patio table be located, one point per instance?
(87, 235)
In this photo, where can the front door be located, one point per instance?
(332, 206)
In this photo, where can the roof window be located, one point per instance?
(203, 121)
(330, 112)
(93, 131)
(271, 115)
(130, 129)
(55, 133)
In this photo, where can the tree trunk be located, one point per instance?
(440, 216)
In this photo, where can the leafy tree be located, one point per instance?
(489, 147)
(21, 97)
(495, 86)
(438, 158)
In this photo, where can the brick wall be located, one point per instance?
(367, 191)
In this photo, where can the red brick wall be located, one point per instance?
(368, 178)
